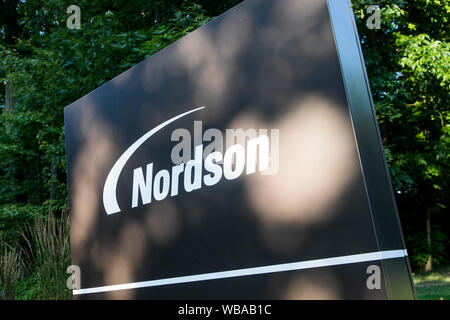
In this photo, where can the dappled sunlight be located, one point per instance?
(308, 183)
(121, 259)
(234, 33)
(248, 75)
(88, 185)
(303, 287)
(292, 11)
(212, 60)
(125, 256)
(250, 122)
(208, 70)
(275, 86)
(312, 36)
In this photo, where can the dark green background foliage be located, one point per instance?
(47, 66)
(408, 64)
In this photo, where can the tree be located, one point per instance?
(49, 66)
(408, 65)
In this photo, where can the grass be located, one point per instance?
(47, 248)
(10, 270)
(434, 285)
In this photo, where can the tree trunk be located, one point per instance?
(428, 266)
(9, 100)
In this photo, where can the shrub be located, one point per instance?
(14, 217)
(48, 252)
(11, 268)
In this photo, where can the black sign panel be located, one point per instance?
(167, 202)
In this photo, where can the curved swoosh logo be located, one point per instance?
(109, 190)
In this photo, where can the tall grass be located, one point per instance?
(48, 252)
(11, 269)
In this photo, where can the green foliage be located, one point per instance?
(418, 251)
(11, 268)
(433, 285)
(47, 67)
(50, 69)
(26, 288)
(13, 217)
(185, 20)
(48, 251)
(408, 65)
